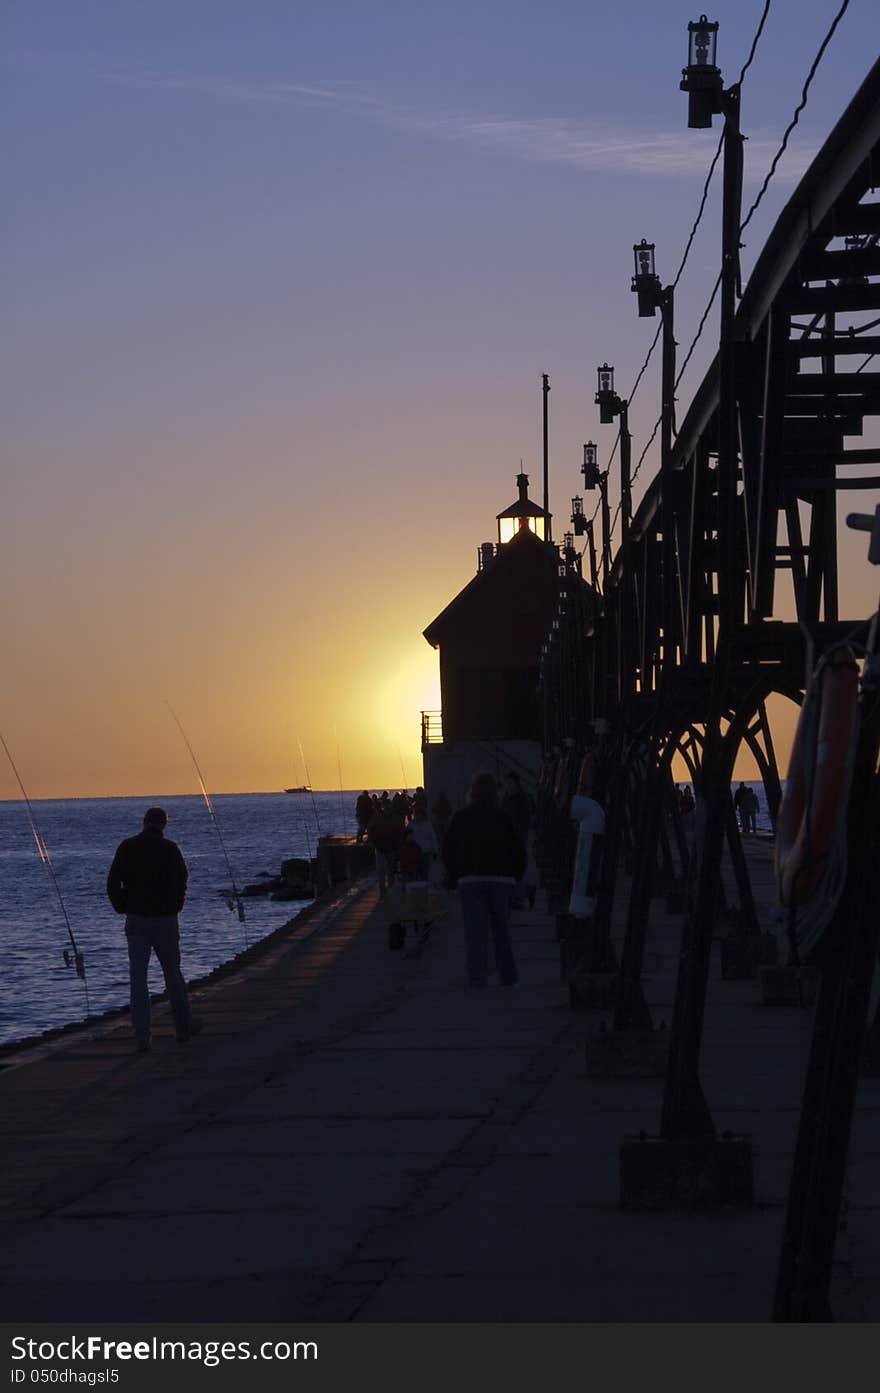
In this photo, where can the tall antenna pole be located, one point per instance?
(546, 392)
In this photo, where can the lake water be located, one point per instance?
(37, 990)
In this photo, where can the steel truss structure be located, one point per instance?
(696, 629)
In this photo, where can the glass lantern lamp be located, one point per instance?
(606, 398)
(646, 282)
(590, 467)
(701, 79)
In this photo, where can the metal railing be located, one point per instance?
(432, 728)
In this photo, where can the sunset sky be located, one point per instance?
(279, 284)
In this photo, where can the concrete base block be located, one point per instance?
(593, 991)
(788, 986)
(686, 1173)
(743, 954)
(629, 1054)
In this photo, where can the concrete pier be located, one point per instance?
(357, 1137)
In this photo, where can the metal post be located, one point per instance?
(625, 471)
(685, 1110)
(591, 551)
(667, 311)
(546, 392)
(606, 531)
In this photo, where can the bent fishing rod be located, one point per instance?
(302, 755)
(77, 960)
(235, 901)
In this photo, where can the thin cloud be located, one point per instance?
(584, 146)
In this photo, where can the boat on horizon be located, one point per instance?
(304, 788)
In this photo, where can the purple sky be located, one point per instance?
(279, 283)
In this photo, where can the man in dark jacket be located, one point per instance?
(485, 856)
(363, 811)
(147, 883)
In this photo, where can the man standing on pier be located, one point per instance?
(147, 883)
(485, 857)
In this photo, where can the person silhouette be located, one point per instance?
(147, 883)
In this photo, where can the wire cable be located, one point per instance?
(758, 32)
(678, 275)
(704, 196)
(796, 117)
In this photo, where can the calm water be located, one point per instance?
(259, 830)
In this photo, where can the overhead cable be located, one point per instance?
(796, 117)
(704, 196)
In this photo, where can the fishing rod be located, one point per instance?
(403, 768)
(77, 960)
(235, 901)
(308, 840)
(302, 756)
(339, 768)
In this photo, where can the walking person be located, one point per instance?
(520, 809)
(363, 811)
(740, 798)
(423, 833)
(385, 835)
(147, 883)
(485, 856)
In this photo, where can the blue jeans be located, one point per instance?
(144, 933)
(485, 909)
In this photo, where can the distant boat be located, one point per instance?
(304, 788)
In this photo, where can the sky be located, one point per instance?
(279, 283)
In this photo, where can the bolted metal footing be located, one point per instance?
(628, 1054)
(686, 1173)
(788, 986)
(743, 954)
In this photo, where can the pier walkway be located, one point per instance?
(355, 1136)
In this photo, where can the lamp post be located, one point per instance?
(701, 79)
(611, 405)
(685, 1110)
(651, 297)
(545, 393)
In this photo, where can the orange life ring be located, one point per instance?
(808, 819)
